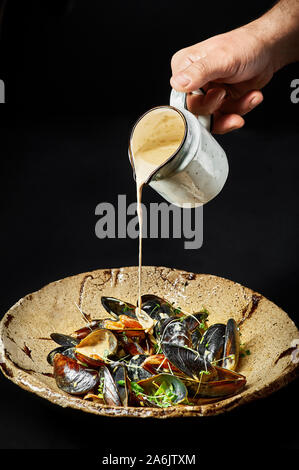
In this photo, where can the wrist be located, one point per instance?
(278, 32)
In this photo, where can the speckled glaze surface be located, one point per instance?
(267, 332)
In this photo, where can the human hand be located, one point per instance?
(231, 68)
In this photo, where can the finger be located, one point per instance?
(180, 61)
(242, 105)
(206, 104)
(224, 123)
(199, 73)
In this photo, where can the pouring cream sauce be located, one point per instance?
(156, 137)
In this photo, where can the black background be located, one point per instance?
(77, 76)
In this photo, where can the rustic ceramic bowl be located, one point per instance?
(266, 330)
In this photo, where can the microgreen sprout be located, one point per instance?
(101, 387)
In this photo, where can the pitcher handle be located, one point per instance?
(178, 99)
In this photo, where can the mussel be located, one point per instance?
(96, 348)
(117, 307)
(196, 322)
(225, 383)
(212, 343)
(156, 307)
(231, 345)
(88, 328)
(135, 370)
(123, 384)
(189, 362)
(220, 344)
(196, 337)
(124, 323)
(72, 377)
(64, 340)
(109, 388)
(175, 332)
(156, 363)
(131, 345)
(162, 390)
(65, 350)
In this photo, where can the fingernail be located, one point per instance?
(182, 80)
(254, 102)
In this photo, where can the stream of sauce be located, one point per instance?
(156, 137)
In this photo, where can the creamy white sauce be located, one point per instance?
(156, 137)
(98, 344)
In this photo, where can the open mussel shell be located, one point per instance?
(117, 307)
(72, 377)
(64, 340)
(158, 362)
(94, 398)
(135, 370)
(154, 387)
(124, 323)
(110, 392)
(226, 383)
(85, 330)
(130, 345)
(65, 350)
(231, 346)
(190, 362)
(95, 348)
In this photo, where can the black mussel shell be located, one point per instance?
(65, 350)
(195, 339)
(72, 377)
(231, 345)
(59, 350)
(196, 321)
(189, 362)
(226, 383)
(64, 340)
(212, 343)
(135, 371)
(122, 383)
(175, 332)
(88, 328)
(156, 307)
(160, 326)
(129, 345)
(110, 391)
(118, 307)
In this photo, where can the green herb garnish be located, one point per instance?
(163, 397)
(126, 308)
(177, 310)
(136, 388)
(101, 387)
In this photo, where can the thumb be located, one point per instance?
(199, 73)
